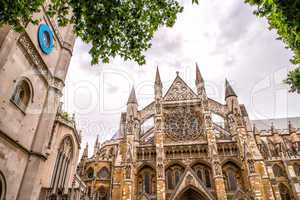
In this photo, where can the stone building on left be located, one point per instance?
(39, 144)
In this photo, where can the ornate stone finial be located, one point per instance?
(290, 126)
(73, 117)
(228, 90)
(86, 151)
(177, 73)
(199, 78)
(272, 127)
(157, 78)
(254, 128)
(132, 97)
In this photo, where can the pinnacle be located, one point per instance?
(157, 77)
(228, 90)
(132, 97)
(199, 78)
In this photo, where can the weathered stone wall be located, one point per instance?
(24, 133)
(12, 164)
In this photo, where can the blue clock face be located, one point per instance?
(45, 38)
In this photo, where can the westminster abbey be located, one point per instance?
(187, 155)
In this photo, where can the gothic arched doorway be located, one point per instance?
(191, 194)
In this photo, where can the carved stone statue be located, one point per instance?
(128, 171)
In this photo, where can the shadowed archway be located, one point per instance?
(191, 193)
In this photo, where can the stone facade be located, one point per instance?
(187, 154)
(35, 138)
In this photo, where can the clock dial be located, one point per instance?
(45, 38)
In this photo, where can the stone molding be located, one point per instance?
(36, 60)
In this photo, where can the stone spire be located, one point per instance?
(85, 151)
(132, 97)
(199, 82)
(157, 85)
(157, 78)
(228, 90)
(199, 79)
(290, 126)
(272, 127)
(96, 146)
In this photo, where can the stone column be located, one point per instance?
(160, 168)
(215, 161)
(252, 161)
(129, 172)
(160, 154)
(39, 146)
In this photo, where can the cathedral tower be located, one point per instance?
(33, 67)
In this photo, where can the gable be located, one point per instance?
(190, 180)
(179, 90)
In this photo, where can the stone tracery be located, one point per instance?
(183, 124)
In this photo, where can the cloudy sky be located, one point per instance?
(223, 37)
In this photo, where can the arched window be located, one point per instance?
(146, 180)
(232, 182)
(22, 94)
(2, 187)
(284, 192)
(90, 173)
(278, 171)
(147, 183)
(233, 176)
(63, 160)
(177, 176)
(104, 173)
(203, 173)
(199, 174)
(174, 174)
(207, 178)
(169, 180)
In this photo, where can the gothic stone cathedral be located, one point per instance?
(186, 155)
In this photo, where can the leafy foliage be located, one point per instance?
(16, 13)
(113, 27)
(284, 16)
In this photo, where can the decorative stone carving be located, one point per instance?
(181, 124)
(251, 166)
(217, 168)
(238, 117)
(128, 172)
(158, 108)
(189, 179)
(136, 127)
(179, 91)
(34, 58)
(160, 170)
(158, 124)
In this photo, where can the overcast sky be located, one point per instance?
(223, 37)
